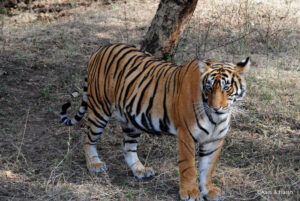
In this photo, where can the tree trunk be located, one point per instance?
(167, 26)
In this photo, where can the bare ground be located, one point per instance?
(44, 51)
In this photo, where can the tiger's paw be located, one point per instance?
(191, 194)
(144, 172)
(214, 194)
(95, 168)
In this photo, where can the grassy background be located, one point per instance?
(43, 57)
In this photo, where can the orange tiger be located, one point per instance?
(150, 95)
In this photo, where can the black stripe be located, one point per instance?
(130, 150)
(97, 124)
(150, 104)
(204, 98)
(236, 88)
(222, 121)
(181, 161)
(126, 65)
(189, 131)
(187, 68)
(221, 131)
(213, 74)
(96, 113)
(132, 120)
(65, 107)
(160, 66)
(203, 153)
(120, 77)
(158, 74)
(198, 124)
(142, 96)
(63, 119)
(133, 69)
(95, 134)
(134, 135)
(129, 106)
(160, 71)
(172, 76)
(107, 67)
(168, 68)
(131, 141)
(152, 98)
(143, 80)
(240, 82)
(224, 74)
(163, 126)
(144, 121)
(90, 143)
(182, 173)
(129, 86)
(219, 113)
(98, 63)
(106, 100)
(91, 140)
(152, 129)
(77, 118)
(147, 64)
(128, 130)
(165, 117)
(119, 60)
(84, 104)
(209, 117)
(68, 122)
(103, 104)
(203, 129)
(81, 113)
(187, 147)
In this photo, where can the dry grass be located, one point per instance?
(43, 59)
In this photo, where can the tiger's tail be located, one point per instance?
(80, 113)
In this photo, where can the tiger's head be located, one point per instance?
(222, 84)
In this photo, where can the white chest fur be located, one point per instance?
(213, 128)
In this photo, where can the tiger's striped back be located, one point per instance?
(144, 88)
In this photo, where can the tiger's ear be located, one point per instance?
(243, 66)
(203, 66)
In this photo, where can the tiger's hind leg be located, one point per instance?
(131, 138)
(96, 124)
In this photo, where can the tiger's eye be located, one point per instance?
(226, 88)
(209, 88)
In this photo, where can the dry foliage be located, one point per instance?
(43, 59)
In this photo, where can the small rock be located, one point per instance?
(75, 94)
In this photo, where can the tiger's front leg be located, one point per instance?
(209, 154)
(186, 161)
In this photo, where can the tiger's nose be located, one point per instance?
(217, 108)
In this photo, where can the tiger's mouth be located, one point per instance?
(210, 110)
(222, 110)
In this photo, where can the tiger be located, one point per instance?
(150, 95)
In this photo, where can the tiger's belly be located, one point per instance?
(147, 122)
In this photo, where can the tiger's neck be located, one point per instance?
(189, 93)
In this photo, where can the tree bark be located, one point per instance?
(167, 26)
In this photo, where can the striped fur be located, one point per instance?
(154, 96)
